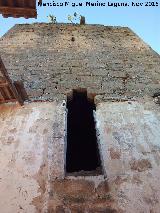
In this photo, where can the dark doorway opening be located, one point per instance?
(82, 148)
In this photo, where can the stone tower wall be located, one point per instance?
(53, 59)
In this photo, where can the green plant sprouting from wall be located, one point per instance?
(76, 17)
(52, 18)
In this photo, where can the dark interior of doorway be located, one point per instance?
(82, 148)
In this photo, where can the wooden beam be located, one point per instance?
(32, 4)
(23, 12)
(7, 101)
(11, 86)
(10, 3)
(3, 84)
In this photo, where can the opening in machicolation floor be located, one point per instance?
(82, 155)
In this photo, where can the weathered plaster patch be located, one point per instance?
(24, 136)
(129, 136)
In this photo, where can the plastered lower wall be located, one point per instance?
(32, 153)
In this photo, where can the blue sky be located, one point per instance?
(142, 20)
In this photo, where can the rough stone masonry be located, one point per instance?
(123, 73)
(52, 59)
